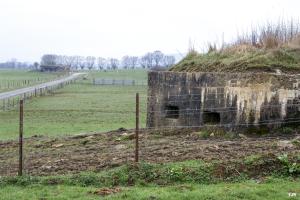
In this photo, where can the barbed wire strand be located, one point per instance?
(224, 125)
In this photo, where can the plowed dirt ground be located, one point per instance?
(50, 156)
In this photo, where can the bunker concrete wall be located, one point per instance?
(238, 99)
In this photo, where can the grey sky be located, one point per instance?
(113, 28)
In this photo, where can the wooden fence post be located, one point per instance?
(20, 173)
(137, 119)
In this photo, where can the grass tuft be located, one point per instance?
(267, 48)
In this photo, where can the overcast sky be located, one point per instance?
(113, 28)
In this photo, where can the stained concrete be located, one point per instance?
(225, 99)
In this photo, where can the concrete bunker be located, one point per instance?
(235, 100)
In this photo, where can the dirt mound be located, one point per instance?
(243, 58)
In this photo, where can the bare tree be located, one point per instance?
(69, 61)
(82, 62)
(168, 61)
(60, 60)
(49, 59)
(143, 62)
(36, 65)
(101, 63)
(76, 63)
(90, 62)
(14, 63)
(126, 62)
(114, 63)
(133, 61)
(129, 62)
(149, 60)
(157, 57)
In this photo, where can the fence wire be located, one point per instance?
(71, 138)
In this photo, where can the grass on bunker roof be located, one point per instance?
(269, 48)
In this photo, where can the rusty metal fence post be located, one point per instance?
(137, 119)
(20, 173)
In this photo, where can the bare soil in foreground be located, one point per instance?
(99, 151)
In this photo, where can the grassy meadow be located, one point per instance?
(274, 190)
(130, 74)
(14, 79)
(26, 75)
(178, 180)
(80, 108)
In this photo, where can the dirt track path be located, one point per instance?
(46, 156)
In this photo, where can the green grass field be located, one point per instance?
(79, 108)
(13, 79)
(273, 190)
(25, 75)
(178, 180)
(131, 74)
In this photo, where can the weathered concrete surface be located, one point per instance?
(227, 99)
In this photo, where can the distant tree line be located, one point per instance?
(149, 60)
(14, 64)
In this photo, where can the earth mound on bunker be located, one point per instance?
(243, 58)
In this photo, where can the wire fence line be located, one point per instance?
(266, 122)
(282, 121)
(116, 113)
(187, 86)
(202, 101)
(166, 100)
(126, 112)
(274, 122)
(123, 82)
(197, 94)
(20, 83)
(237, 73)
(11, 98)
(230, 108)
(11, 102)
(227, 108)
(130, 112)
(201, 109)
(12, 84)
(162, 112)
